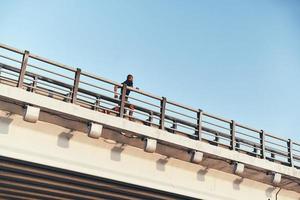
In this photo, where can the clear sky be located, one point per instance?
(237, 59)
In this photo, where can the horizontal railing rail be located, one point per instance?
(50, 78)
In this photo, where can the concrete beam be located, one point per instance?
(11, 94)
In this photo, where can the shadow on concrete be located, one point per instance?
(201, 174)
(161, 164)
(115, 152)
(236, 183)
(63, 139)
(270, 191)
(4, 124)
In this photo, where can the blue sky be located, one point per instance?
(236, 59)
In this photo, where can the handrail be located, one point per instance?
(207, 129)
(4, 46)
(216, 117)
(83, 73)
(52, 62)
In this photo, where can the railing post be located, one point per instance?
(34, 84)
(162, 113)
(23, 69)
(174, 126)
(232, 134)
(290, 150)
(123, 99)
(217, 138)
(97, 103)
(0, 73)
(272, 157)
(150, 119)
(255, 151)
(262, 144)
(75, 85)
(199, 124)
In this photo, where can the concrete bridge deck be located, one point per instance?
(59, 141)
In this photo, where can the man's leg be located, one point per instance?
(131, 107)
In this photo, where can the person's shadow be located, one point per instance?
(161, 164)
(237, 182)
(201, 174)
(5, 123)
(63, 139)
(115, 152)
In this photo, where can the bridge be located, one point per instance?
(64, 135)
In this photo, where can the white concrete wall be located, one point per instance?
(54, 145)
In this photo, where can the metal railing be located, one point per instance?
(42, 76)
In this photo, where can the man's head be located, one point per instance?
(130, 78)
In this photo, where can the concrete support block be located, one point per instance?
(31, 114)
(276, 178)
(150, 145)
(95, 130)
(197, 157)
(238, 168)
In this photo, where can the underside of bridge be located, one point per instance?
(27, 180)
